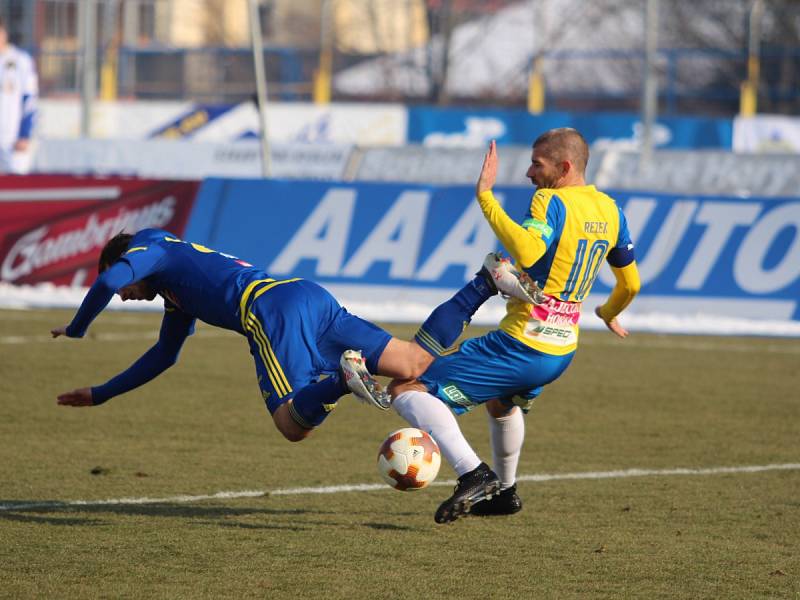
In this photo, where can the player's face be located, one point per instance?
(544, 172)
(140, 290)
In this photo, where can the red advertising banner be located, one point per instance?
(52, 228)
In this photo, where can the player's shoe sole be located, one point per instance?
(359, 381)
(509, 281)
(472, 488)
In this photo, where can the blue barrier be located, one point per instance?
(737, 256)
(451, 126)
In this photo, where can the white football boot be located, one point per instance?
(359, 381)
(510, 282)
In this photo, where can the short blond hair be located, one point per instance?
(564, 143)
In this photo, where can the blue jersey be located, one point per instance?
(296, 329)
(192, 278)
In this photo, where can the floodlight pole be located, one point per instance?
(87, 25)
(748, 103)
(650, 88)
(261, 84)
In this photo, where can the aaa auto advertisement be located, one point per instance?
(52, 228)
(725, 256)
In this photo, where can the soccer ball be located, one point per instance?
(409, 459)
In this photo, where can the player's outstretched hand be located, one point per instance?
(489, 170)
(613, 325)
(79, 397)
(59, 331)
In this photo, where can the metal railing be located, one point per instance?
(691, 80)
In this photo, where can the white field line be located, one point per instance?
(370, 487)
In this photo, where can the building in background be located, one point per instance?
(476, 52)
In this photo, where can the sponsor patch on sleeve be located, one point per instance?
(540, 226)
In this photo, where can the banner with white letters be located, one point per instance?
(726, 257)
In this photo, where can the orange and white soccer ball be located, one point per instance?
(409, 459)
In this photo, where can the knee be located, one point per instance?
(296, 436)
(420, 361)
(398, 386)
(415, 362)
(497, 409)
(288, 427)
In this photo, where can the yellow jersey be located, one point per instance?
(562, 243)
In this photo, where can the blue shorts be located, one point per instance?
(492, 366)
(297, 331)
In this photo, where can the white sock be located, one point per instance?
(507, 434)
(425, 411)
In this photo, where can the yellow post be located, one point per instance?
(536, 87)
(748, 101)
(108, 75)
(321, 91)
(322, 78)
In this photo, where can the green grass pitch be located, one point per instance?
(650, 402)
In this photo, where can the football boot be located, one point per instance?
(474, 487)
(359, 381)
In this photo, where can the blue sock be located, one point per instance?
(442, 328)
(313, 403)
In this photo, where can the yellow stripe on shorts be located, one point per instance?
(271, 283)
(274, 370)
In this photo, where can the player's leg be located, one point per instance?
(409, 359)
(484, 368)
(476, 482)
(279, 392)
(461, 380)
(402, 359)
(448, 320)
(426, 412)
(283, 326)
(506, 433)
(313, 402)
(350, 348)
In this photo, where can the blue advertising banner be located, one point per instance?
(464, 127)
(718, 255)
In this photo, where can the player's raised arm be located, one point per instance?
(525, 247)
(488, 175)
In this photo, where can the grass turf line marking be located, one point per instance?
(369, 487)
